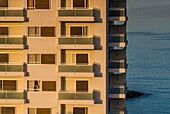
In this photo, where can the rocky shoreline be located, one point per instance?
(133, 94)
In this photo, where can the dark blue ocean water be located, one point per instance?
(148, 56)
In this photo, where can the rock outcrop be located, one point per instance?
(132, 94)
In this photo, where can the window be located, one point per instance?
(41, 31)
(7, 110)
(47, 31)
(4, 58)
(33, 85)
(3, 3)
(39, 111)
(79, 31)
(38, 4)
(41, 58)
(7, 85)
(81, 86)
(81, 58)
(80, 110)
(48, 86)
(33, 58)
(3, 30)
(47, 59)
(80, 3)
(33, 32)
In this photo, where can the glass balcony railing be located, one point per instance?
(117, 112)
(116, 12)
(11, 95)
(11, 12)
(64, 95)
(114, 64)
(113, 90)
(75, 40)
(75, 12)
(75, 68)
(11, 40)
(11, 67)
(116, 39)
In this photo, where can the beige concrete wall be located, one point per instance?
(15, 3)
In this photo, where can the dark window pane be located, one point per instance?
(47, 58)
(3, 30)
(8, 110)
(47, 31)
(76, 31)
(43, 111)
(42, 4)
(81, 85)
(9, 85)
(78, 3)
(3, 3)
(48, 86)
(82, 58)
(3, 58)
(79, 110)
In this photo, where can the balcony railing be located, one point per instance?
(115, 64)
(75, 12)
(119, 111)
(117, 12)
(116, 38)
(77, 40)
(114, 90)
(66, 95)
(11, 12)
(75, 68)
(11, 95)
(11, 40)
(11, 67)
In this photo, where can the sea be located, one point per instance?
(148, 58)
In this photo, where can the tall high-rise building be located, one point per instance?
(63, 56)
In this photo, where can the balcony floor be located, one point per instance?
(87, 102)
(76, 18)
(76, 46)
(12, 19)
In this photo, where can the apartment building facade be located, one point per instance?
(63, 56)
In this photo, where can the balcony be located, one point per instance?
(117, 14)
(11, 14)
(75, 14)
(73, 97)
(76, 70)
(117, 91)
(119, 111)
(12, 69)
(77, 42)
(117, 66)
(11, 97)
(11, 42)
(117, 40)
